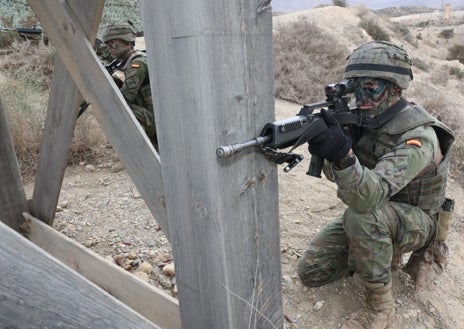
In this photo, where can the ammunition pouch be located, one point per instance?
(444, 218)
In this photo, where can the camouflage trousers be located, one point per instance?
(365, 243)
(147, 120)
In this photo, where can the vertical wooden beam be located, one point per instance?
(211, 68)
(60, 121)
(12, 196)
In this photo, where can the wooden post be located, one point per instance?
(60, 121)
(212, 78)
(12, 196)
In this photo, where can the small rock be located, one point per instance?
(89, 168)
(319, 305)
(145, 267)
(142, 276)
(169, 269)
(117, 167)
(89, 243)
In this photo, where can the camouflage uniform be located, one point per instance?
(136, 91)
(136, 85)
(388, 213)
(393, 180)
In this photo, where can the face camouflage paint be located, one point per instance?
(370, 89)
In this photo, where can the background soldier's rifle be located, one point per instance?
(26, 32)
(295, 131)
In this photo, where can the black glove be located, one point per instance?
(331, 144)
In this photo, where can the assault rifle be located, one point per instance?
(111, 67)
(24, 31)
(295, 131)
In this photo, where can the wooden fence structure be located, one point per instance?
(211, 76)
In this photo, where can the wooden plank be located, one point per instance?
(212, 77)
(60, 120)
(38, 291)
(112, 112)
(12, 196)
(152, 303)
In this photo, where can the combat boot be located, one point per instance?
(379, 309)
(425, 267)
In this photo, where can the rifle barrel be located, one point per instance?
(227, 150)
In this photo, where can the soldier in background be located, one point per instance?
(120, 39)
(392, 174)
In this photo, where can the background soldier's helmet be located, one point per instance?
(119, 30)
(380, 59)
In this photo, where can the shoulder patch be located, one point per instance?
(135, 65)
(414, 142)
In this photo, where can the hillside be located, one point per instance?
(100, 207)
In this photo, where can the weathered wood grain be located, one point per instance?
(38, 291)
(212, 81)
(12, 196)
(147, 300)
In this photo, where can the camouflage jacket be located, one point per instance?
(136, 86)
(405, 160)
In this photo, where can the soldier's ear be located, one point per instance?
(397, 89)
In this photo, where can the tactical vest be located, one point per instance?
(427, 189)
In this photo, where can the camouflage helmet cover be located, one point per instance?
(380, 59)
(119, 30)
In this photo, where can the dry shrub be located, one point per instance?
(29, 62)
(24, 106)
(374, 30)
(456, 52)
(440, 77)
(24, 94)
(449, 112)
(89, 142)
(305, 60)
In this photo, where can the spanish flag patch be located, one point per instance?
(414, 142)
(135, 65)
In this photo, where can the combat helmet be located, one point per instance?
(380, 59)
(119, 30)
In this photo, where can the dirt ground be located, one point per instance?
(100, 207)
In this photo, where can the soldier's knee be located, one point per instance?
(354, 221)
(315, 273)
(307, 272)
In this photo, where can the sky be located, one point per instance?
(289, 6)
